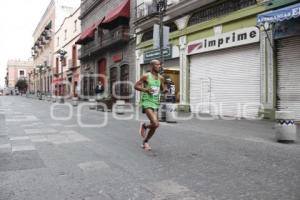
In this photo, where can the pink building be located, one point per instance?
(17, 69)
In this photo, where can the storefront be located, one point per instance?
(285, 28)
(225, 74)
(59, 87)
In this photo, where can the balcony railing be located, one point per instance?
(145, 10)
(116, 36)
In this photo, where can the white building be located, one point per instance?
(67, 67)
(43, 48)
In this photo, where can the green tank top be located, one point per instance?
(151, 100)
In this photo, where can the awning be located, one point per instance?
(279, 15)
(87, 35)
(122, 11)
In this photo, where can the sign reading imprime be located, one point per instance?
(225, 40)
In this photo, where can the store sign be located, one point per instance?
(225, 40)
(155, 54)
(58, 80)
(287, 28)
(279, 15)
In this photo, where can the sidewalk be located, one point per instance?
(251, 130)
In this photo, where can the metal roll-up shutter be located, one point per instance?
(288, 60)
(226, 82)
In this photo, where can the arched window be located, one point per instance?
(172, 25)
(113, 79)
(124, 88)
(147, 35)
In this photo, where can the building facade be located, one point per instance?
(16, 70)
(66, 71)
(107, 48)
(43, 48)
(217, 48)
(280, 55)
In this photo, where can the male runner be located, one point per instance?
(150, 84)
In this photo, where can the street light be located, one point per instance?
(62, 54)
(161, 8)
(40, 67)
(46, 81)
(29, 87)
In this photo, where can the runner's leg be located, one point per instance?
(154, 123)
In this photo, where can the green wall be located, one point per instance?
(236, 20)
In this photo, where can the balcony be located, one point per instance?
(186, 6)
(146, 15)
(117, 36)
(87, 6)
(72, 64)
(46, 34)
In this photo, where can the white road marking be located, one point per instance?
(169, 189)
(23, 118)
(19, 138)
(23, 148)
(40, 131)
(5, 146)
(38, 138)
(93, 165)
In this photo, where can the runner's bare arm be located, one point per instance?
(139, 85)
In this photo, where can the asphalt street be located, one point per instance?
(59, 152)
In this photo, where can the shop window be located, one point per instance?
(124, 87)
(113, 79)
(224, 8)
(91, 86)
(85, 86)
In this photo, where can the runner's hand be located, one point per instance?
(150, 91)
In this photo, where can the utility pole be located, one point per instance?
(161, 7)
(62, 54)
(40, 67)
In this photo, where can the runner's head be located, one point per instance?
(155, 65)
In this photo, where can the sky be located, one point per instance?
(18, 20)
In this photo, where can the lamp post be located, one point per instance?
(161, 8)
(29, 88)
(62, 54)
(40, 67)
